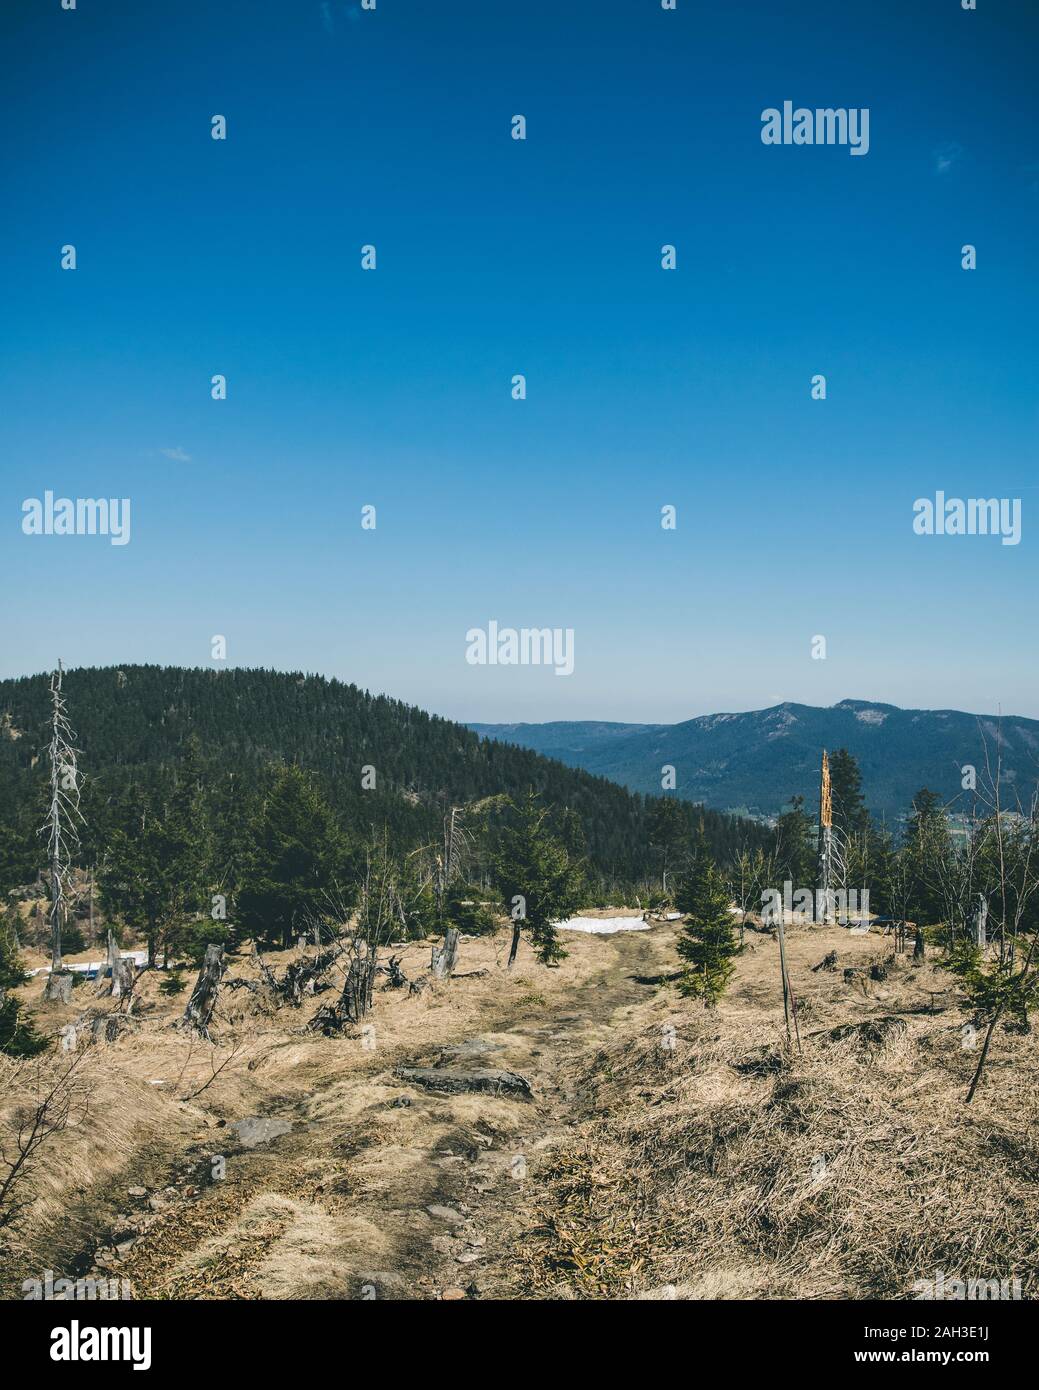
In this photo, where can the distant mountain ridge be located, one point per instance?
(759, 759)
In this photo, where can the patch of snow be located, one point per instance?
(603, 926)
(93, 967)
(870, 716)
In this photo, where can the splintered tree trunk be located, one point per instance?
(396, 976)
(442, 963)
(516, 929)
(302, 976)
(203, 996)
(116, 987)
(122, 978)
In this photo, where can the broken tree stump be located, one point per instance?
(303, 975)
(395, 976)
(442, 963)
(828, 962)
(203, 997)
(122, 978)
(455, 1081)
(59, 988)
(355, 1002)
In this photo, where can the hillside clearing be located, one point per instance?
(666, 1151)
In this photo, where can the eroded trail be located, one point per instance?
(377, 1188)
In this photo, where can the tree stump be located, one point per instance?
(59, 988)
(203, 997)
(395, 976)
(303, 975)
(122, 978)
(828, 962)
(443, 959)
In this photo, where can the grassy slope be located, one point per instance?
(650, 1172)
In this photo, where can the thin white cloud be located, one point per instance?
(945, 156)
(177, 455)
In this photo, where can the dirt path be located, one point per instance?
(384, 1190)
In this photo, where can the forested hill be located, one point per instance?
(135, 724)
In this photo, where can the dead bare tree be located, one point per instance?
(61, 828)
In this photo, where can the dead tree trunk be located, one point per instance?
(356, 999)
(443, 960)
(302, 976)
(122, 978)
(203, 997)
(396, 978)
(117, 979)
(516, 929)
(980, 920)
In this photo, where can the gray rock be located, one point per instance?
(258, 1129)
(446, 1214)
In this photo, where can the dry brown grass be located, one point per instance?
(735, 1167)
(691, 1172)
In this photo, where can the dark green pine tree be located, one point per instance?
(18, 1038)
(707, 944)
(298, 867)
(850, 816)
(927, 844)
(153, 874)
(539, 872)
(796, 849)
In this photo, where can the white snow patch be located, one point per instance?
(603, 926)
(870, 716)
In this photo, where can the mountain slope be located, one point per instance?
(134, 726)
(760, 759)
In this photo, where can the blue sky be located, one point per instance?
(542, 257)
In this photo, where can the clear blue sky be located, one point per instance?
(495, 257)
